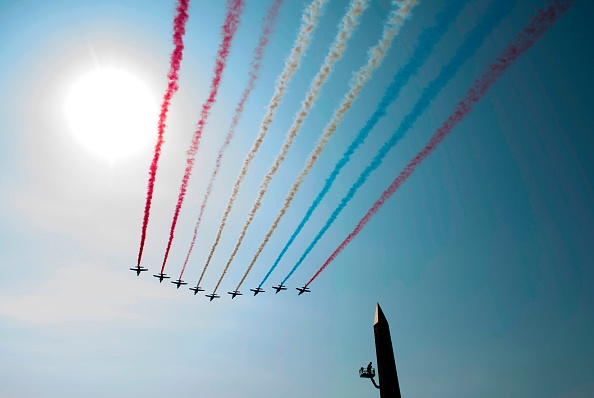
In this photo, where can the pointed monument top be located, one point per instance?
(379, 315)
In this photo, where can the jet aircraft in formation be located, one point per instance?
(196, 289)
(257, 290)
(161, 276)
(212, 296)
(279, 288)
(179, 282)
(138, 269)
(302, 290)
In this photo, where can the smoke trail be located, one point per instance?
(427, 41)
(268, 26)
(309, 21)
(399, 13)
(234, 10)
(539, 24)
(473, 41)
(347, 26)
(179, 29)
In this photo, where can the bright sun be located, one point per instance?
(111, 113)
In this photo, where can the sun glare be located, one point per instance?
(112, 113)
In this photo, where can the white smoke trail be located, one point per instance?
(309, 22)
(346, 29)
(400, 12)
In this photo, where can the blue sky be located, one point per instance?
(482, 261)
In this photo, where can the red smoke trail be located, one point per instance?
(234, 10)
(269, 21)
(179, 29)
(542, 21)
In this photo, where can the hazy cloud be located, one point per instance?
(80, 293)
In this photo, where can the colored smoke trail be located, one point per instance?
(234, 10)
(309, 22)
(347, 26)
(539, 24)
(398, 15)
(427, 41)
(179, 29)
(268, 26)
(473, 41)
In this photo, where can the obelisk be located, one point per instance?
(386, 366)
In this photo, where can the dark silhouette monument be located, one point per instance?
(386, 366)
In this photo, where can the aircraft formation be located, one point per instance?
(213, 296)
(400, 12)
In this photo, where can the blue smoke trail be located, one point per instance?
(473, 41)
(427, 41)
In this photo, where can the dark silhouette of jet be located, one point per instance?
(196, 289)
(279, 288)
(257, 290)
(179, 282)
(235, 293)
(138, 269)
(302, 290)
(212, 296)
(161, 276)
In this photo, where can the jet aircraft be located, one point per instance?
(161, 276)
(138, 269)
(196, 289)
(179, 282)
(212, 296)
(257, 290)
(235, 293)
(279, 288)
(302, 290)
